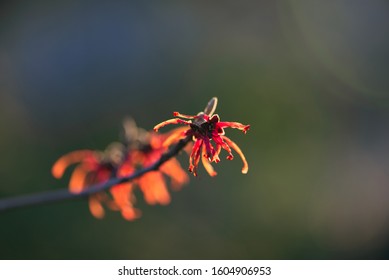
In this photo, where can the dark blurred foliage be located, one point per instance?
(311, 77)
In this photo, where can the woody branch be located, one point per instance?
(64, 194)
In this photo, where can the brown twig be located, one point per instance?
(64, 194)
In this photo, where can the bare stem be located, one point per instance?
(64, 194)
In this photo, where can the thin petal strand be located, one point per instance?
(207, 165)
(154, 188)
(124, 198)
(217, 152)
(77, 180)
(171, 121)
(237, 125)
(196, 161)
(63, 162)
(175, 136)
(96, 208)
(178, 176)
(224, 145)
(232, 144)
(209, 148)
(177, 114)
(195, 149)
(130, 213)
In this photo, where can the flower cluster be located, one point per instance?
(137, 150)
(205, 128)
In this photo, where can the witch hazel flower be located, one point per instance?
(139, 149)
(144, 149)
(94, 167)
(208, 135)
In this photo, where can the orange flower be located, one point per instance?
(140, 149)
(149, 148)
(96, 167)
(206, 127)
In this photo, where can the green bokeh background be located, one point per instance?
(311, 77)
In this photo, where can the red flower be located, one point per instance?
(140, 149)
(97, 167)
(149, 148)
(206, 127)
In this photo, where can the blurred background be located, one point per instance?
(311, 77)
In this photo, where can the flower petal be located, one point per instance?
(195, 151)
(124, 198)
(215, 119)
(154, 188)
(95, 207)
(196, 161)
(175, 136)
(237, 125)
(122, 193)
(77, 179)
(171, 121)
(126, 169)
(207, 165)
(217, 152)
(209, 148)
(64, 161)
(172, 168)
(232, 144)
(130, 213)
(177, 114)
(219, 140)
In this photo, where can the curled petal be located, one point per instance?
(237, 125)
(232, 144)
(171, 121)
(177, 114)
(196, 161)
(209, 148)
(207, 165)
(124, 199)
(63, 162)
(122, 194)
(173, 169)
(219, 140)
(95, 207)
(77, 180)
(175, 136)
(130, 213)
(195, 151)
(154, 188)
(217, 152)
